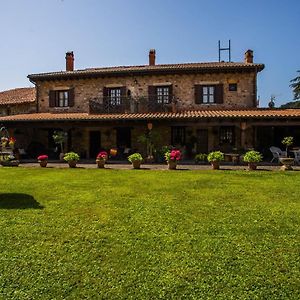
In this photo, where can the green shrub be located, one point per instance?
(71, 156)
(252, 157)
(215, 156)
(135, 157)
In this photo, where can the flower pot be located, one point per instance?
(72, 163)
(43, 163)
(215, 165)
(61, 156)
(252, 166)
(100, 163)
(287, 163)
(10, 163)
(172, 165)
(136, 164)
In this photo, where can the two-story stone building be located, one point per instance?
(197, 107)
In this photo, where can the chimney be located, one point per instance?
(70, 61)
(152, 57)
(249, 57)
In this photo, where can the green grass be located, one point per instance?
(137, 234)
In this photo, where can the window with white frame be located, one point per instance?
(208, 95)
(114, 96)
(163, 94)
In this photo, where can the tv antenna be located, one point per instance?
(225, 49)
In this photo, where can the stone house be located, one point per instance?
(17, 101)
(197, 107)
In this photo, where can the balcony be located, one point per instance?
(131, 105)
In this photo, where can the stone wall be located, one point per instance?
(23, 108)
(183, 89)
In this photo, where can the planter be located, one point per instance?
(100, 163)
(287, 163)
(252, 166)
(72, 163)
(172, 165)
(12, 163)
(43, 163)
(61, 156)
(215, 165)
(136, 164)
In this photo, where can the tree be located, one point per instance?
(295, 85)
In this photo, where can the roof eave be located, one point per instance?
(96, 74)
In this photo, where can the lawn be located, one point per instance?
(140, 234)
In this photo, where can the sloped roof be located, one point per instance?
(147, 69)
(17, 96)
(184, 115)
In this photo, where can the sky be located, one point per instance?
(36, 34)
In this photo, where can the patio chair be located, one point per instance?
(297, 157)
(277, 153)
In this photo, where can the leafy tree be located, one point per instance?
(295, 85)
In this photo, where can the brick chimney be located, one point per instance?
(70, 61)
(249, 57)
(152, 57)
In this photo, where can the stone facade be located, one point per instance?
(183, 90)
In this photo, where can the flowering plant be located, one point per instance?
(113, 152)
(11, 141)
(102, 155)
(174, 155)
(42, 157)
(4, 141)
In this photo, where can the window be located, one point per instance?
(61, 98)
(232, 87)
(163, 94)
(209, 94)
(227, 135)
(178, 136)
(114, 96)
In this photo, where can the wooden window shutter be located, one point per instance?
(71, 99)
(52, 96)
(198, 94)
(152, 92)
(105, 95)
(105, 92)
(170, 93)
(219, 93)
(123, 91)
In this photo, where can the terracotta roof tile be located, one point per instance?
(17, 96)
(198, 114)
(146, 69)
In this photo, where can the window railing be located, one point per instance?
(131, 105)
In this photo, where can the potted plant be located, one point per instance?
(252, 158)
(136, 160)
(287, 162)
(101, 159)
(214, 158)
(43, 160)
(72, 158)
(200, 158)
(59, 138)
(172, 157)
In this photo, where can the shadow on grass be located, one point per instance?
(18, 201)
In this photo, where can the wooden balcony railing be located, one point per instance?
(130, 105)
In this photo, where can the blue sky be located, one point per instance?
(35, 34)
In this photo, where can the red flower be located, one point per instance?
(102, 155)
(175, 155)
(43, 157)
